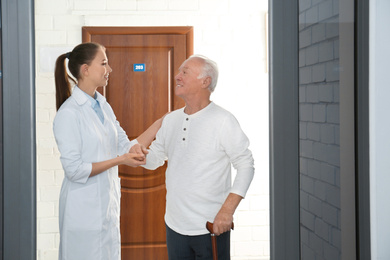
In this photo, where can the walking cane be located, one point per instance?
(209, 227)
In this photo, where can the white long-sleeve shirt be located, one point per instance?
(200, 149)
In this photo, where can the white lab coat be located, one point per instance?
(89, 207)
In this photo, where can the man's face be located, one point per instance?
(187, 81)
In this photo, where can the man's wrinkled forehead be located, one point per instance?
(184, 67)
(189, 64)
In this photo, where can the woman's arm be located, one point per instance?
(130, 159)
(147, 137)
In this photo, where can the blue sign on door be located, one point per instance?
(139, 67)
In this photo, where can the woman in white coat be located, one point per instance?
(92, 145)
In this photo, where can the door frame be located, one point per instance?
(188, 31)
(284, 129)
(18, 153)
(362, 124)
(177, 43)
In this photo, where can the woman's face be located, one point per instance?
(99, 69)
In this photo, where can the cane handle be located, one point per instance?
(210, 227)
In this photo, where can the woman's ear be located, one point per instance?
(84, 70)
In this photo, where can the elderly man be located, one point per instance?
(200, 141)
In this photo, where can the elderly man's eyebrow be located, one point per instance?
(183, 68)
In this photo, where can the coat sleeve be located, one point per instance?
(124, 144)
(236, 145)
(67, 129)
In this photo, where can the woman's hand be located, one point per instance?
(133, 159)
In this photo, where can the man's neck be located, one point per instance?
(193, 107)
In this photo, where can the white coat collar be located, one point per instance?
(81, 98)
(100, 98)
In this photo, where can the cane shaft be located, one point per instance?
(210, 228)
(214, 245)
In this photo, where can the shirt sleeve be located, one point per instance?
(236, 144)
(157, 154)
(67, 129)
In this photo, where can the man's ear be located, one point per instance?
(206, 82)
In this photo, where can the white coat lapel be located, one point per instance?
(91, 116)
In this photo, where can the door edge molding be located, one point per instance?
(188, 31)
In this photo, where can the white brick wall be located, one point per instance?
(232, 32)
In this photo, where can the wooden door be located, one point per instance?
(138, 98)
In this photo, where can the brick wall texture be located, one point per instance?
(319, 130)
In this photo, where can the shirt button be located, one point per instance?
(185, 129)
(187, 119)
(184, 139)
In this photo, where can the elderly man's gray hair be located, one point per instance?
(210, 69)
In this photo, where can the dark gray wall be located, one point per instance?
(19, 151)
(319, 129)
(362, 129)
(284, 125)
(1, 145)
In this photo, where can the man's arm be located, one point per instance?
(224, 219)
(241, 158)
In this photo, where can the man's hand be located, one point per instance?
(222, 222)
(224, 219)
(139, 149)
